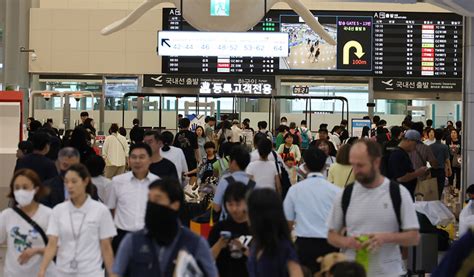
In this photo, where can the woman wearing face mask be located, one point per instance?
(25, 244)
(80, 231)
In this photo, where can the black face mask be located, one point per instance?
(161, 222)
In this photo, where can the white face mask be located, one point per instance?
(24, 197)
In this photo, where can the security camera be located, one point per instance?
(34, 57)
(47, 97)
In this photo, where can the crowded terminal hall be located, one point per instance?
(235, 138)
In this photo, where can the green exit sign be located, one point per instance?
(220, 7)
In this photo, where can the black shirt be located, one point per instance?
(44, 167)
(208, 168)
(136, 134)
(164, 168)
(187, 141)
(227, 265)
(399, 165)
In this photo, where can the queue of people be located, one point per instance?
(282, 210)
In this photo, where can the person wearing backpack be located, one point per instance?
(153, 250)
(305, 135)
(377, 215)
(239, 160)
(308, 204)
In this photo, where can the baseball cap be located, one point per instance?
(412, 135)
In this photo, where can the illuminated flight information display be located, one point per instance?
(173, 21)
(418, 45)
(388, 44)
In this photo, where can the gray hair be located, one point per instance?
(69, 152)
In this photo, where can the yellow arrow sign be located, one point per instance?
(346, 52)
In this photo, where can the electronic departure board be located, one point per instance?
(389, 44)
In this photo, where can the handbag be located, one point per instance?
(427, 188)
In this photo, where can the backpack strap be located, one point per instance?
(187, 241)
(230, 179)
(396, 197)
(346, 200)
(251, 184)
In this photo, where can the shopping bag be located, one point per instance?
(466, 218)
(436, 211)
(428, 189)
(202, 225)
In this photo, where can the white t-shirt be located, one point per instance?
(263, 173)
(254, 156)
(20, 235)
(97, 224)
(371, 211)
(176, 156)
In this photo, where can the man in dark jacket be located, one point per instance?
(37, 161)
(137, 133)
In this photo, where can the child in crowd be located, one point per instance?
(292, 169)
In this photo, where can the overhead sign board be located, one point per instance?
(209, 84)
(417, 84)
(222, 44)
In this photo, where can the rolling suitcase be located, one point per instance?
(424, 257)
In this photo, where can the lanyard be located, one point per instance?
(76, 237)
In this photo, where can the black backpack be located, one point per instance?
(395, 195)
(284, 176)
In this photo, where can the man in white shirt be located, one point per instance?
(115, 153)
(308, 204)
(371, 214)
(129, 194)
(236, 133)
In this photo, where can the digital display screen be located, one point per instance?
(426, 45)
(220, 8)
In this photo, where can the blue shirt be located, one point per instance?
(309, 204)
(203, 256)
(274, 266)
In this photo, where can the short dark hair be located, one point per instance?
(171, 187)
(212, 118)
(315, 159)
(246, 120)
(303, 122)
(209, 144)
(292, 125)
(141, 145)
(396, 131)
(235, 191)
(429, 122)
(262, 124)
(25, 146)
(282, 128)
(373, 148)
(184, 123)
(114, 128)
(84, 114)
(344, 122)
(283, 117)
(376, 119)
(96, 165)
(136, 121)
(458, 124)
(150, 133)
(470, 189)
(288, 135)
(439, 134)
(418, 126)
(241, 156)
(347, 269)
(342, 156)
(40, 140)
(35, 125)
(323, 130)
(122, 131)
(323, 126)
(264, 147)
(382, 122)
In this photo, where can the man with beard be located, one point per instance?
(153, 250)
(377, 214)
